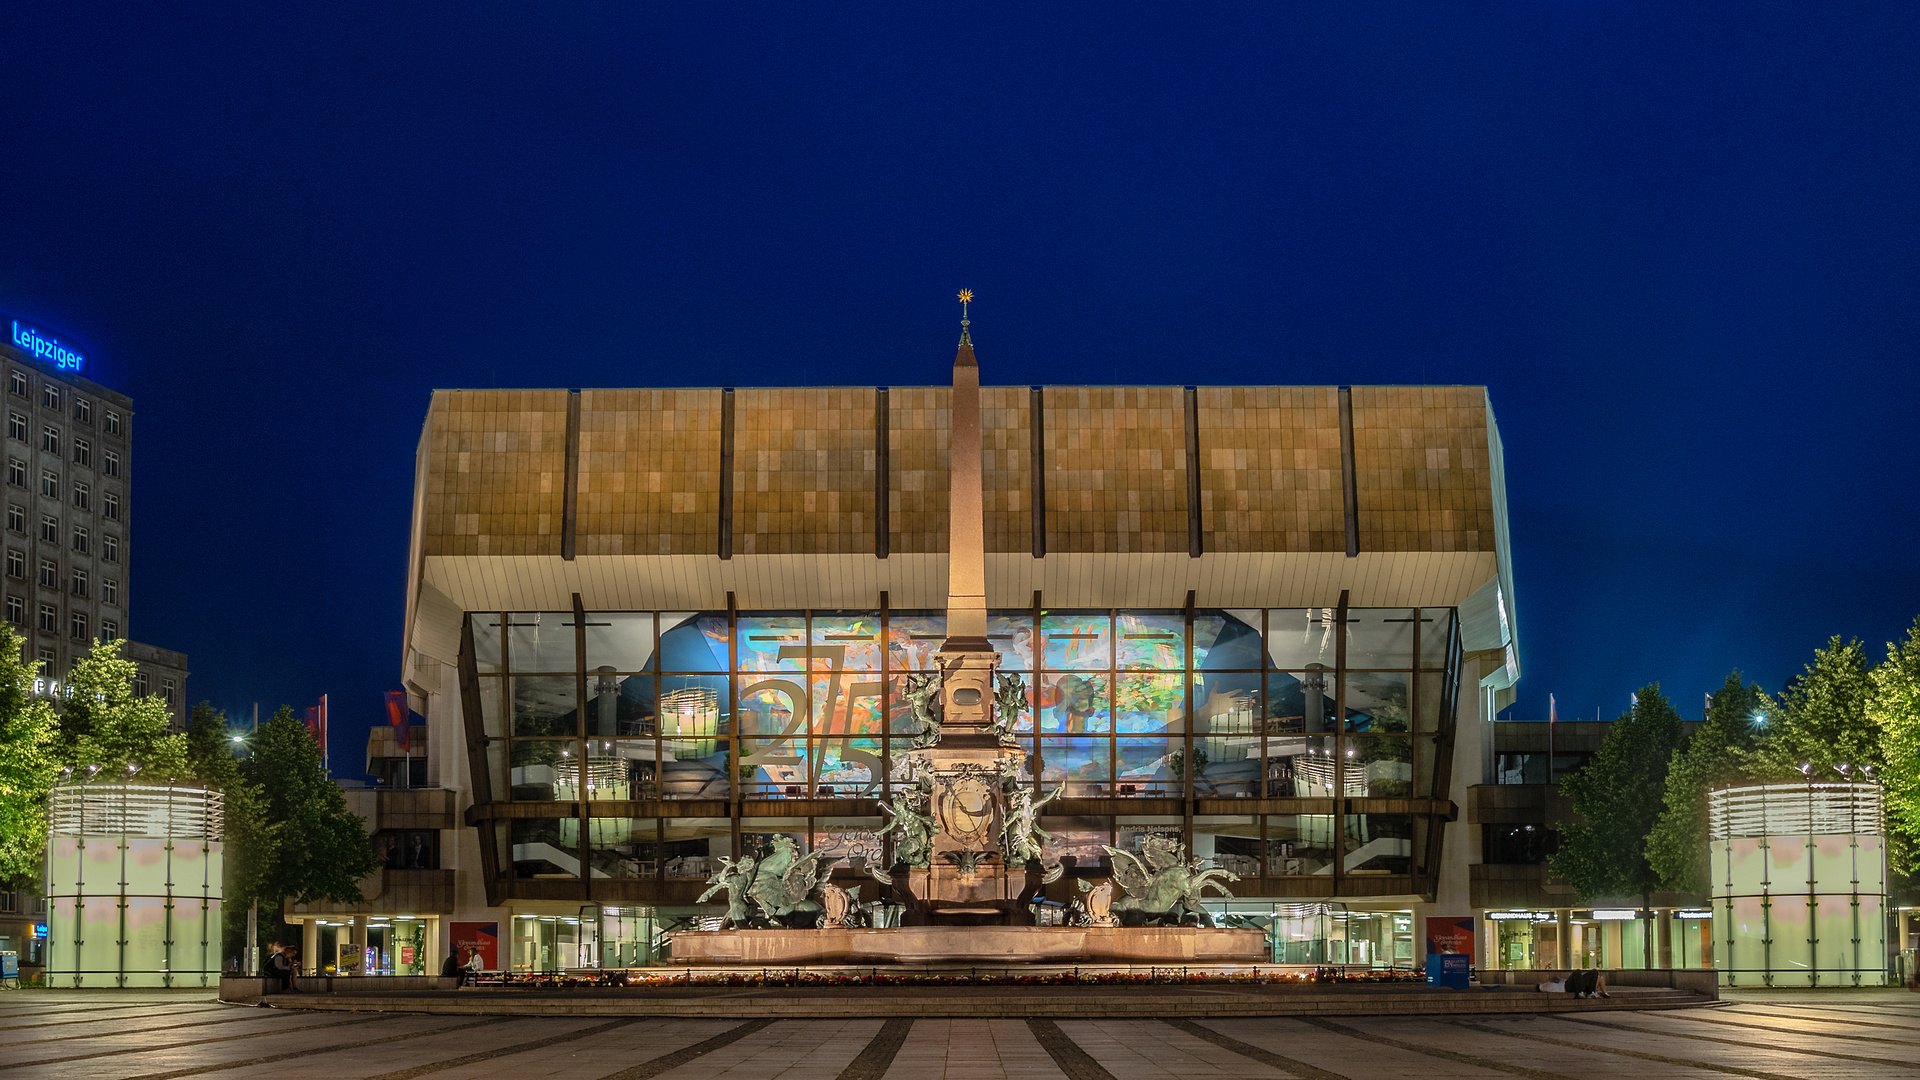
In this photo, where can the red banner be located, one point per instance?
(397, 716)
(317, 726)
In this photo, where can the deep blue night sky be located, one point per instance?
(1678, 245)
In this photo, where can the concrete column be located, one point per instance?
(1563, 936)
(1663, 945)
(310, 946)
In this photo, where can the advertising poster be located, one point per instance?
(484, 936)
(1451, 934)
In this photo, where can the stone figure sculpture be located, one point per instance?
(1022, 838)
(735, 877)
(913, 825)
(1009, 701)
(1099, 903)
(1164, 879)
(922, 690)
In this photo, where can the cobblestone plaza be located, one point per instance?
(133, 1035)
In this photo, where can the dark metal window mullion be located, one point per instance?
(660, 764)
(582, 808)
(735, 785)
(1340, 745)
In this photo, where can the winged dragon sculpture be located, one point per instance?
(1163, 878)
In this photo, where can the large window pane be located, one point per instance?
(620, 640)
(774, 768)
(1073, 704)
(541, 847)
(693, 641)
(846, 703)
(1228, 734)
(1377, 702)
(493, 720)
(1084, 765)
(486, 641)
(846, 640)
(499, 775)
(912, 639)
(625, 847)
(1145, 703)
(540, 641)
(1297, 637)
(1233, 843)
(694, 847)
(1011, 634)
(757, 834)
(1382, 764)
(1380, 638)
(544, 705)
(696, 768)
(1436, 626)
(848, 768)
(541, 769)
(1299, 844)
(1130, 832)
(1078, 641)
(1433, 686)
(1379, 844)
(1151, 641)
(1227, 640)
(1149, 766)
(1076, 838)
(851, 841)
(622, 769)
(772, 642)
(1300, 701)
(620, 705)
(773, 706)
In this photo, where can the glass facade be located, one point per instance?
(637, 748)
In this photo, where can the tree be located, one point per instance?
(248, 836)
(1895, 710)
(28, 762)
(1618, 794)
(1717, 755)
(1820, 720)
(119, 728)
(318, 849)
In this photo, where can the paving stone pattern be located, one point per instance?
(137, 1035)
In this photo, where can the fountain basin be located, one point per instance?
(974, 944)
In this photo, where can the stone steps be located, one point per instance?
(986, 1001)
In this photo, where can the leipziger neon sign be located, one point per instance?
(46, 348)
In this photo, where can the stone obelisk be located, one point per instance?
(967, 661)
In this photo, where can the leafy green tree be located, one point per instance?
(317, 849)
(1895, 710)
(249, 837)
(1821, 720)
(120, 728)
(28, 762)
(1716, 755)
(1618, 795)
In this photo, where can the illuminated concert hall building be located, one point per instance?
(652, 628)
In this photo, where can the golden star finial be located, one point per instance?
(966, 296)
